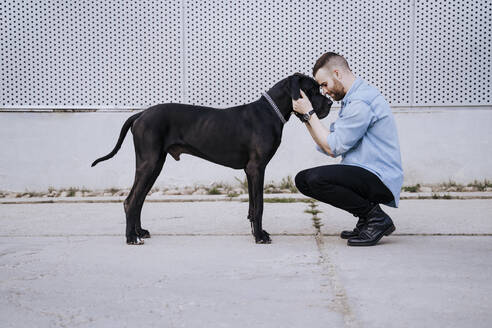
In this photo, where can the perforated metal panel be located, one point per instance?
(83, 54)
(237, 49)
(131, 54)
(453, 52)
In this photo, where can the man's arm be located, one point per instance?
(317, 130)
(349, 129)
(319, 133)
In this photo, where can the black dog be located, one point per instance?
(242, 137)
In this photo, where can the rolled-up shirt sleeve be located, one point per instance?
(349, 128)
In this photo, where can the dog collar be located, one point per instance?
(274, 106)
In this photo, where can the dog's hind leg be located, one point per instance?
(142, 233)
(251, 209)
(256, 176)
(148, 168)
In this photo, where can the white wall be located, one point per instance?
(39, 150)
(128, 54)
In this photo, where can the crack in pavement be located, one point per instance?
(341, 303)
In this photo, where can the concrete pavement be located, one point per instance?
(66, 265)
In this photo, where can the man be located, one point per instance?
(365, 135)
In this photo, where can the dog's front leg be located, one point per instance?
(255, 175)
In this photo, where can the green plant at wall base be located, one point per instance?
(232, 193)
(415, 188)
(112, 191)
(451, 184)
(269, 188)
(71, 191)
(243, 184)
(214, 191)
(481, 186)
(219, 185)
(313, 210)
(288, 183)
(28, 193)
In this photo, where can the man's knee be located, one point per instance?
(310, 182)
(301, 180)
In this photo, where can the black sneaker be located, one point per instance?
(378, 224)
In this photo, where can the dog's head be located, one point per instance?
(321, 104)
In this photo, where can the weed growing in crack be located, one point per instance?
(314, 211)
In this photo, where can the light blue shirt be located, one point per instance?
(365, 135)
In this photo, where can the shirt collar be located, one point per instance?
(358, 81)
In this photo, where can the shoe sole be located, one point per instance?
(388, 232)
(345, 237)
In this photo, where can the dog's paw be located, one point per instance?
(264, 238)
(142, 233)
(134, 240)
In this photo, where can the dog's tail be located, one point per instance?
(124, 131)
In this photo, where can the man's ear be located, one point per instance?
(336, 73)
(294, 84)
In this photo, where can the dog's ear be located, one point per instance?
(294, 86)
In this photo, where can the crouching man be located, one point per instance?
(365, 135)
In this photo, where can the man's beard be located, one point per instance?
(337, 91)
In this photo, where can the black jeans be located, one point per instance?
(348, 187)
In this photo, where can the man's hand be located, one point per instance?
(302, 105)
(318, 131)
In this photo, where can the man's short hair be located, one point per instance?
(330, 59)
